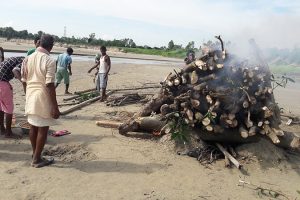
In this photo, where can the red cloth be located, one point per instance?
(6, 97)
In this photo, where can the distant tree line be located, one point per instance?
(10, 33)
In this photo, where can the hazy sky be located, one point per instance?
(156, 22)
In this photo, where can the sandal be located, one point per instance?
(60, 133)
(43, 163)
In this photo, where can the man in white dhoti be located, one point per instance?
(38, 77)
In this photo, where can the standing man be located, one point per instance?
(36, 44)
(9, 69)
(38, 76)
(104, 68)
(63, 64)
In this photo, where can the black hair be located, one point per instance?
(103, 48)
(36, 39)
(47, 41)
(69, 50)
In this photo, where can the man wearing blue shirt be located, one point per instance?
(64, 70)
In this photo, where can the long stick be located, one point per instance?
(83, 91)
(68, 104)
(108, 124)
(230, 157)
(85, 103)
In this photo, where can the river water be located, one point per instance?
(113, 59)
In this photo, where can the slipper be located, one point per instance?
(60, 133)
(43, 163)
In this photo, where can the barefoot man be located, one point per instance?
(104, 68)
(63, 63)
(9, 69)
(38, 76)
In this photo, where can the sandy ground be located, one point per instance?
(98, 163)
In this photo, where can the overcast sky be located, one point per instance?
(156, 22)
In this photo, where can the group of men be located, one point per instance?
(40, 75)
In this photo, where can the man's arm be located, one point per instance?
(95, 66)
(109, 66)
(70, 69)
(17, 74)
(52, 94)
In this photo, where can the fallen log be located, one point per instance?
(108, 124)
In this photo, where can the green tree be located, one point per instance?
(190, 46)
(171, 45)
(91, 37)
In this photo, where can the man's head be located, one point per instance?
(69, 51)
(37, 41)
(47, 42)
(103, 50)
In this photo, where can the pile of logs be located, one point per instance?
(218, 94)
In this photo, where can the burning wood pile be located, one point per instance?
(218, 96)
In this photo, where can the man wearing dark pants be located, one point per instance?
(63, 64)
(38, 77)
(103, 70)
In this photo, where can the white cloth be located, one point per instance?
(103, 68)
(38, 70)
(38, 121)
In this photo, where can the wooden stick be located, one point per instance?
(68, 104)
(84, 91)
(108, 124)
(71, 98)
(227, 162)
(82, 104)
(230, 157)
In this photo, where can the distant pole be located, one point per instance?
(65, 31)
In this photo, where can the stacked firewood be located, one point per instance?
(218, 93)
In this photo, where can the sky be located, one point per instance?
(273, 23)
